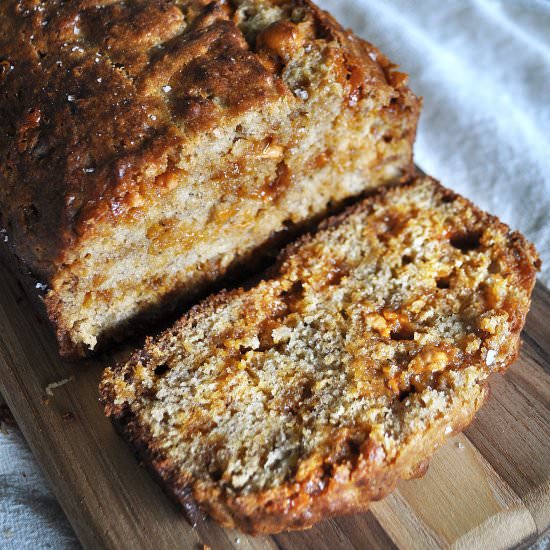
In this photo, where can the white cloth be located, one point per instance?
(30, 516)
(483, 68)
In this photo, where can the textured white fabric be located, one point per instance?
(30, 516)
(483, 68)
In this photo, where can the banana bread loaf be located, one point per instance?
(312, 393)
(147, 146)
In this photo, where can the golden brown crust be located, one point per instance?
(433, 387)
(97, 97)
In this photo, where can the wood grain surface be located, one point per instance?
(487, 488)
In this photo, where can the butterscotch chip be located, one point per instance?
(311, 394)
(157, 143)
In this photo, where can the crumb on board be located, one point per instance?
(54, 385)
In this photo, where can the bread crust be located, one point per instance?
(325, 486)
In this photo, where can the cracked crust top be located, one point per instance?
(97, 95)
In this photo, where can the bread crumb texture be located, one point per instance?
(147, 146)
(310, 394)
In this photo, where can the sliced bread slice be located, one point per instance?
(312, 393)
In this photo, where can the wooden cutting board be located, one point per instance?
(487, 488)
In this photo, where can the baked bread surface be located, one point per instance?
(310, 394)
(146, 146)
